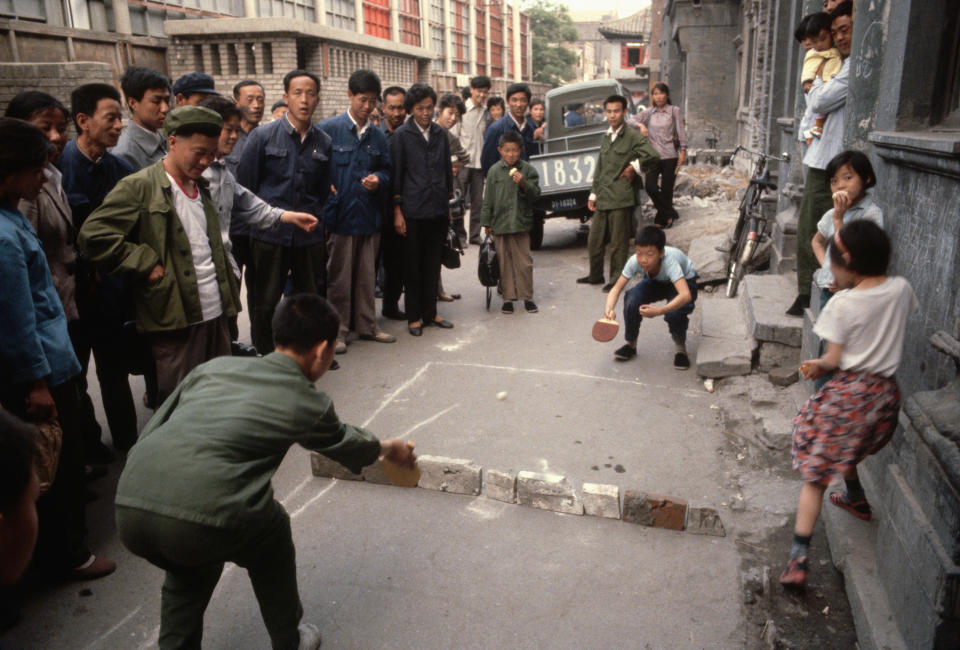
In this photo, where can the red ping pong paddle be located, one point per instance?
(605, 329)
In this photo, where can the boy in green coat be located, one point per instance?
(196, 491)
(512, 190)
(623, 153)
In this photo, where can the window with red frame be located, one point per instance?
(376, 18)
(632, 55)
(496, 41)
(410, 22)
(481, 41)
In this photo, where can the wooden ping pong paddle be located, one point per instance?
(401, 474)
(605, 329)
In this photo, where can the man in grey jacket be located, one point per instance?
(147, 93)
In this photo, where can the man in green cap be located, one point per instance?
(159, 227)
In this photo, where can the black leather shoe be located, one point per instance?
(588, 280)
(442, 324)
(238, 349)
(801, 303)
(681, 361)
(415, 330)
(393, 313)
(607, 287)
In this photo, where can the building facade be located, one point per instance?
(629, 39)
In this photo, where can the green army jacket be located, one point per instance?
(505, 208)
(613, 192)
(137, 228)
(210, 451)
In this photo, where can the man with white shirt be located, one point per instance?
(147, 93)
(828, 98)
(624, 153)
(160, 227)
(470, 129)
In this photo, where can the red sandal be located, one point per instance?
(859, 509)
(795, 575)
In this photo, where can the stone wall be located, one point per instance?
(57, 79)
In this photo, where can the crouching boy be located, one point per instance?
(196, 491)
(667, 274)
(512, 189)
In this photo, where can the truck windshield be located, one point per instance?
(583, 114)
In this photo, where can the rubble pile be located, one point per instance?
(709, 183)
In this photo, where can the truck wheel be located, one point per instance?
(536, 233)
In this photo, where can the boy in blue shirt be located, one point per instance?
(666, 274)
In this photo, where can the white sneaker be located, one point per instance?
(309, 636)
(341, 346)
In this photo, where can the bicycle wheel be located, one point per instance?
(735, 267)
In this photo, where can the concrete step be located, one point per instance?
(710, 263)
(725, 348)
(766, 299)
(783, 257)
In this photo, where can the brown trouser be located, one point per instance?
(516, 265)
(351, 275)
(178, 352)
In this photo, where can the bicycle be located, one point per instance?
(751, 224)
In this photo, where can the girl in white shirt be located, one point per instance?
(855, 413)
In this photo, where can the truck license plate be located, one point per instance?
(563, 204)
(566, 172)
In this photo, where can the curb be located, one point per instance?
(543, 491)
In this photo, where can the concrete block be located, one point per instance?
(722, 317)
(766, 299)
(710, 263)
(456, 475)
(654, 510)
(601, 500)
(320, 465)
(784, 375)
(773, 355)
(548, 492)
(702, 520)
(374, 473)
(723, 357)
(501, 486)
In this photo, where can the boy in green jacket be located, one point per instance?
(196, 490)
(623, 153)
(511, 191)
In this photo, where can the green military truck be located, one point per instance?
(574, 129)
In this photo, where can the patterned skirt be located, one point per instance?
(852, 416)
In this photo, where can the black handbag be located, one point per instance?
(488, 269)
(452, 250)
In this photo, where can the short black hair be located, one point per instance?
(869, 248)
(243, 84)
(480, 81)
(800, 32)
(84, 99)
(860, 163)
(845, 8)
(32, 102)
(223, 106)
(18, 447)
(416, 94)
(293, 74)
(496, 101)
(451, 100)
(465, 93)
(816, 23)
(662, 87)
(536, 102)
(137, 80)
(513, 89)
(22, 146)
(364, 81)
(302, 320)
(277, 104)
(510, 136)
(652, 236)
(616, 99)
(393, 90)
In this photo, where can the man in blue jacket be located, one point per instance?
(359, 174)
(518, 98)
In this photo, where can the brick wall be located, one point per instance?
(57, 79)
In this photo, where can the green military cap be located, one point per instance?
(196, 118)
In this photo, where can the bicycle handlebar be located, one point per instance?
(783, 157)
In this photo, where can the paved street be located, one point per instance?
(389, 567)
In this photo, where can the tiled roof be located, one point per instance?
(633, 26)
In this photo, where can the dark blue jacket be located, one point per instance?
(490, 155)
(287, 173)
(87, 183)
(354, 210)
(422, 172)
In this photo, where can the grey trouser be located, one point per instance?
(178, 352)
(470, 181)
(516, 265)
(351, 276)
